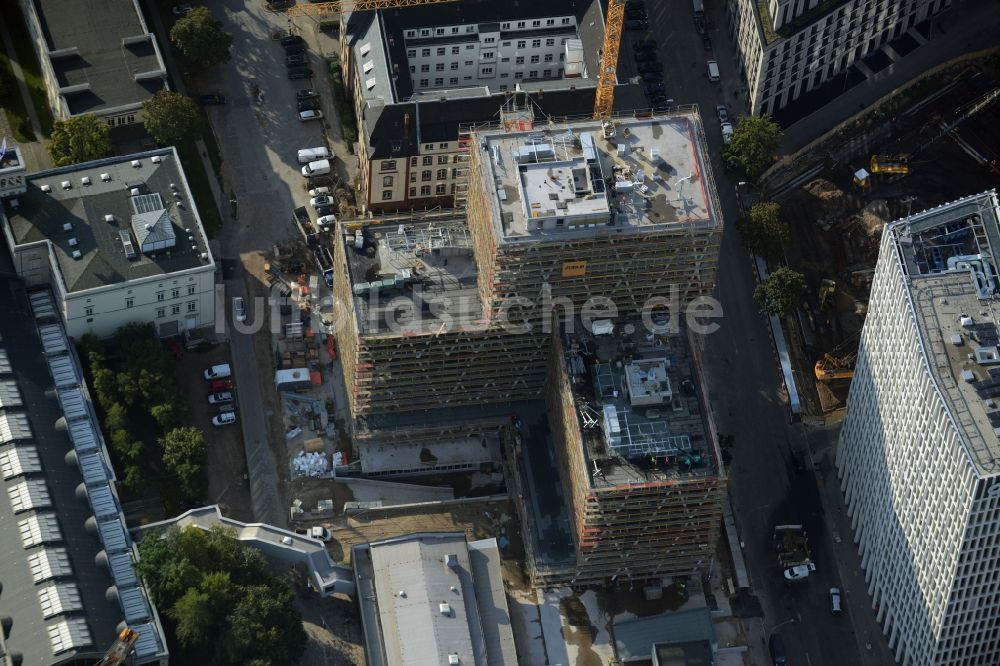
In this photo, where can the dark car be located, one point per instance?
(707, 43)
(636, 14)
(291, 39)
(309, 104)
(292, 49)
(650, 67)
(305, 94)
(300, 73)
(295, 60)
(324, 210)
(652, 76)
(699, 26)
(214, 99)
(635, 24)
(644, 45)
(645, 56)
(653, 89)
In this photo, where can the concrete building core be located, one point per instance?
(919, 454)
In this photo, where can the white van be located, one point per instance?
(218, 371)
(317, 168)
(307, 155)
(713, 70)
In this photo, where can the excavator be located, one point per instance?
(120, 649)
(836, 364)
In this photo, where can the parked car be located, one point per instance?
(723, 113)
(326, 221)
(835, 600)
(319, 191)
(316, 202)
(727, 132)
(291, 39)
(307, 155)
(219, 398)
(634, 24)
(636, 15)
(181, 10)
(652, 76)
(300, 73)
(645, 56)
(309, 105)
(225, 418)
(323, 211)
(706, 43)
(295, 60)
(239, 310)
(777, 647)
(212, 99)
(311, 114)
(644, 45)
(699, 25)
(220, 385)
(221, 371)
(305, 94)
(650, 67)
(799, 571)
(713, 70)
(293, 49)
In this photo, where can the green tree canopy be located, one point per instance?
(79, 139)
(781, 293)
(200, 38)
(764, 232)
(171, 118)
(753, 145)
(185, 456)
(220, 597)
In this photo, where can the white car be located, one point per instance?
(310, 115)
(239, 311)
(799, 571)
(835, 600)
(316, 202)
(319, 191)
(220, 398)
(723, 113)
(181, 10)
(225, 418)
(727, 132)
(326, 222)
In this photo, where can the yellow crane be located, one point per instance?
(120, 649)
(604, 97)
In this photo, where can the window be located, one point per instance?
(426, 175)
(439, 82)
(190, 290)
(161, 313)
(129, 302)
(454, 65)
(535, 43)
(547, 73)
(411, 53)
(440, 189)
(425, 68)
(488, 55)
(504, 43)
(520, 24)
(565, 21)
(175, 309)
(439, 31)
(519, 60)
(413, 191)
(174, 293)
(487, 70)
(521, 43)
(89, 310)
(388, 165)
(425, 53)
(548, 57)
(110, 122)
(550, 42)
(534, 59)
(387, 181)
(443, 159)
(454, 31)
(469, 47)
(439, 67)
(192, 306)
(413, 176)
(423, 83)
(425, 190)
(469, 63)
(413, 161)
(518, 75)
(440, 51)
(386, 195)
(454, 50)
(442, 174)
(504, 59)
(453, 81)
(550, 21)
(428, 160)
(535, 24)
(490, 40)
(533, 74)
(160, 295)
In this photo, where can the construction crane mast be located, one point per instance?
(320, 8)
(604, 98)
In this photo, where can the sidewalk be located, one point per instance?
(34, 153)
(966, 28)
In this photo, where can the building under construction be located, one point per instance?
(637, 455)
(456, 310)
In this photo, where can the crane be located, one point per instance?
(604, 96)
(120, 649)
(835, 364)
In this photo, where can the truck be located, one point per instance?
(292, 379)
(792, 546)
(317, 168)
(307, 155)
(316, 532)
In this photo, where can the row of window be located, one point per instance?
(175, 309)
(533, 74)
(161, 295)
(442, 174)
(120, 120)
(454, 30)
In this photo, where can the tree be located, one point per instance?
(200, 38)
(260, 627)
(185, 456)
(753, 145)
(781, 293)
(171, 118)
(79, 139)
(764, 232)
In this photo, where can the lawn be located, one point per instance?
(345, 110)
(194, 169)
(11, 15)
(13, 105)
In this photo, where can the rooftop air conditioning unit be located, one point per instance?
(46, 188)
(106, 177)
(134, 192)
(73, 242)
(68, 226)
(109, 218)
(136, 164)
(67, 185)
(157, 159)
(453, 660)
(85, 180)
(77, 254)
(445, 608)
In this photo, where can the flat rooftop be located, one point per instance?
(104, 46)
(160, 221)
(578, 179)
(413, 277)
(949, 254)
(638, 404)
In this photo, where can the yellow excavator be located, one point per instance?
(120, 649)
(835, 364)
(889, 164)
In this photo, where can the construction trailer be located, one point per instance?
(638, 458)
(449, 310)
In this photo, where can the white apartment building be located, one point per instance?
(119, 240)
(919, 454)
(789, 47)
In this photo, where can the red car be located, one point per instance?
(220, 385)
(174, 348)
